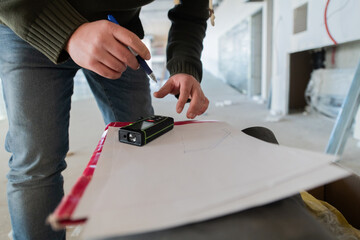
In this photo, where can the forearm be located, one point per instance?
(46, 25)
(185, 42)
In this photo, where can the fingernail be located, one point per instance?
(179, 109)
(148, 56)
(191, 115)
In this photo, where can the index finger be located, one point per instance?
(131, 40)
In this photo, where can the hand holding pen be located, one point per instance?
(102, 47)
(141, 61)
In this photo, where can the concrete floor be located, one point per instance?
(307, 131)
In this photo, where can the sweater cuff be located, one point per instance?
(184, 67)
(52, 29)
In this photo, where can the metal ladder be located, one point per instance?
(345, 118)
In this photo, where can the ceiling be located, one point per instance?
(154, 17)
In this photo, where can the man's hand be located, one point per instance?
(188, 88)
(101, 47)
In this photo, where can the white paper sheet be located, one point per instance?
(193, 173)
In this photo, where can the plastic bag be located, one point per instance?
(327, 90)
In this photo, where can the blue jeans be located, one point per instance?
(37, 95)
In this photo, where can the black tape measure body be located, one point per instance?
(145, 130)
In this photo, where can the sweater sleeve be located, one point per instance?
(45, 24)
(185, 40)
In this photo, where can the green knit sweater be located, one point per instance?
(48, 24)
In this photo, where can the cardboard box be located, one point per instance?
(344, 195)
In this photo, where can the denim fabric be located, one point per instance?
(123, 100)
(37, 95)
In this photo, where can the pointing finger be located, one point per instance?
(165, 90)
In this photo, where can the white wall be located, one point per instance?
(228, 14)
(267, 44)
(347, 55)
(343, 20)
(282, 28)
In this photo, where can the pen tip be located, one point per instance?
(152, 76)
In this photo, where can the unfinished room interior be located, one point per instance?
(289, 69)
